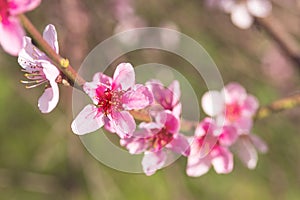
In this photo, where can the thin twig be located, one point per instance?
(287, 43)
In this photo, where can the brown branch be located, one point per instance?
(278, 33)
(62, 63)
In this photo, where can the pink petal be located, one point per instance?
(228, 136)
(222, 160)
(21, 6)
(259, 8)
(134, 144)
(50, 36)
(241, 17)
(234, 92)
(48, 101)
(124, 76)
(124, 123)
(205, 126)
(100, 78)
(11, 36)
(213, 103)
(177, 110)
(244, 125)
(87, 121)
(108, 125)
(246, 152)
(250, 105)
(259, 144)
(153, 161)
(198, 167)
(174, 87)
(171, 123)
(179, 144)
(137, 98)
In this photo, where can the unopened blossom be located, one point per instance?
(243, 12)
(210, 147)
(155, 138)
(40, 70)
(168, 98)
(113, 98)
(11, 30)
(231, 106)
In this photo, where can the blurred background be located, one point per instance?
(40, 158)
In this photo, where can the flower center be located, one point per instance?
(35, 76)
(161, 139)
(233, 112)
(4, 13)
(108, 100)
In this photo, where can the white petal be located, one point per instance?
(50, 36)
(50, 71)
(124, 76)
(199, 167)
(241, 17)
(48, 101)
(87, 121)
(153, 161)
(247, 152)
(212, 103)
(259, 8)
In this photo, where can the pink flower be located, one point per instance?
(11, 31)
(112, 98)
(210, 147)
(231, 106)
(154, 138)
(168, 98)
(246, 147)
(40, 69)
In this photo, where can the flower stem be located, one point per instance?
(277, 106)
(63, 64)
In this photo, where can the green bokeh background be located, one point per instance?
(40, 158)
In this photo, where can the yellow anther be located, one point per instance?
(64, 62)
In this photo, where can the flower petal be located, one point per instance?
(124, 123)
(50, 36)
(213, 103)
(136, 144)
(87, 121)
(246, 152)
(124, 76)
(179, 144)
(28, 54)
(11, 36)
(170, 122)
(222, 160)
(259, 8)
(21, 6)
(259, 144)
(174, 87)
(234, 92)
(241, 17)
(48, 101)
(228, 136)
(197, 167)
(153, 161)
(50, 71)
(138, 97)
(250, 105)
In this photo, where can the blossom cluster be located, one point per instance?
(228, 127)
(114, 100)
